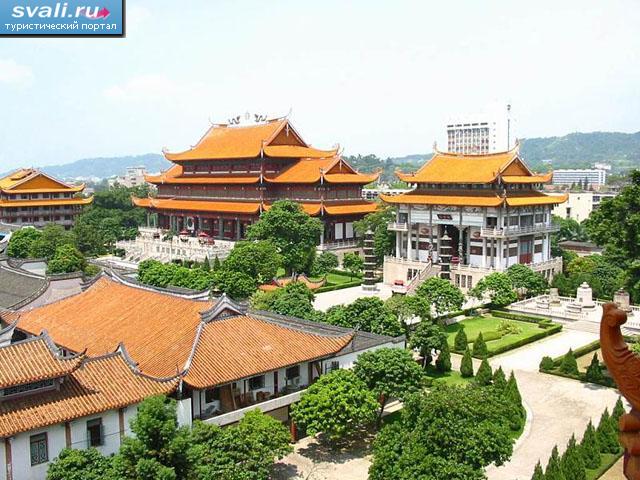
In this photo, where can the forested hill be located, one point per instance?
(576, 150)
(582, 150)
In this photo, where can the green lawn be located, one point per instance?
(473, 326)
(450, 378)
(608, 460)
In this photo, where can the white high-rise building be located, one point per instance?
(569, 176)
(478, 134)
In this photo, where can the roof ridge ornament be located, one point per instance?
(225, 307)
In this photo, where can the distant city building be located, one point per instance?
(31, 197)
(580, 204)
(602, 166)
(479, 134)
(133, 177)
(594, 177)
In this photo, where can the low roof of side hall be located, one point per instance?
(274, 138)
(98, 384)
(31, 180)
(208, 343)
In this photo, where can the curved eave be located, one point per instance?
(291, 151)
(542, 199)
(448, 200)
(160, 180)
(13, 191)
(357, 178)
(312, 209)
(515, 179)
(197, 205)
(351, 209)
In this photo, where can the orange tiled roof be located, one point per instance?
(174, 175)
(43, 202)
(521, 199)
(225, 142)
(350, 208)
(32, 180)
(104, 383)
(451, 198)
(109, 312)
(458, 168)
(197, 205)
(34, 360)
(243, 346)
(360, 178)
(312, 209)
(72, 189)
(546, 178)
(307, 170)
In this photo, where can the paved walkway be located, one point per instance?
(326, 300)
(558, 408)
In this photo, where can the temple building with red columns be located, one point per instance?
(236, 171)
(468, 216)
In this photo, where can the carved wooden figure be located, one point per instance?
(624, 367)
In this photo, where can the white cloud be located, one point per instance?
(13, 73)
(151, 87)
(136, 16)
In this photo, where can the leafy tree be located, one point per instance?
(216, 264)
(324, 263)
(460, 341)
(601, 273)
(572, 463)
(259, 260)
(294, 299)
(237, 285)
(153, 272)
(406, 307)
(499, 379)
(67, 259)
(538, 474)
(589, 448)
(569, 364)
(245, 451)
(427, 338)
(384, 241)
(366, 313)
(546, 364)
(353, 264)
(594, 370)
(292, 231)
(338, 405)
(389, 373)
(52, 237)
(21, 242)
(206, 264)
(443, 362)
(466, 365)
(554, 469)
(497, 286)
(607, 435)
(159, 448)
(484, 375)
(617, 413)
(615, 225)
(442, 294)
(570, 229)
(480, 347)
(73, 464)
(526, 281)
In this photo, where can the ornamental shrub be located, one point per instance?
(514, 393)
(607, 436)
(538, 474)
(554, 470)
(460, 342)
(572, 463)
(484, 375)
(617, 413)
(546, 364)
(480, 347)
(443, 363)
(466, 366)
(569, 364)
(499, 379)
(589, 448)
(594, 370)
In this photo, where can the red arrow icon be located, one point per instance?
(103, 13)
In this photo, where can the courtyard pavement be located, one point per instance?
(557, 408)
(326, 300)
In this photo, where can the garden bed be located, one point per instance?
(448, 378)
(497, 339)
(583, 357)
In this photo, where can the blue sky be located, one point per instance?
(374, 76)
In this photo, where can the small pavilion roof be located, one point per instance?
(99, 384)
(275, 138)
(31, 180)
(33, 360)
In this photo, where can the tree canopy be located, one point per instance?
(292, 231)
(259, 260)
(353, 263)
(384, 241)
(67, 259)
(294, 299)
(366, 313)
(498, 287)
(442, 294)
(527, 282)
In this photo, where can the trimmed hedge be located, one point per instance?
(467, 312)
(340, 286)
(525, 341)
(579, 352)
(519, 316)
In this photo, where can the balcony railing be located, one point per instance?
(512, 231)
(397, 226)
(338, 244)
